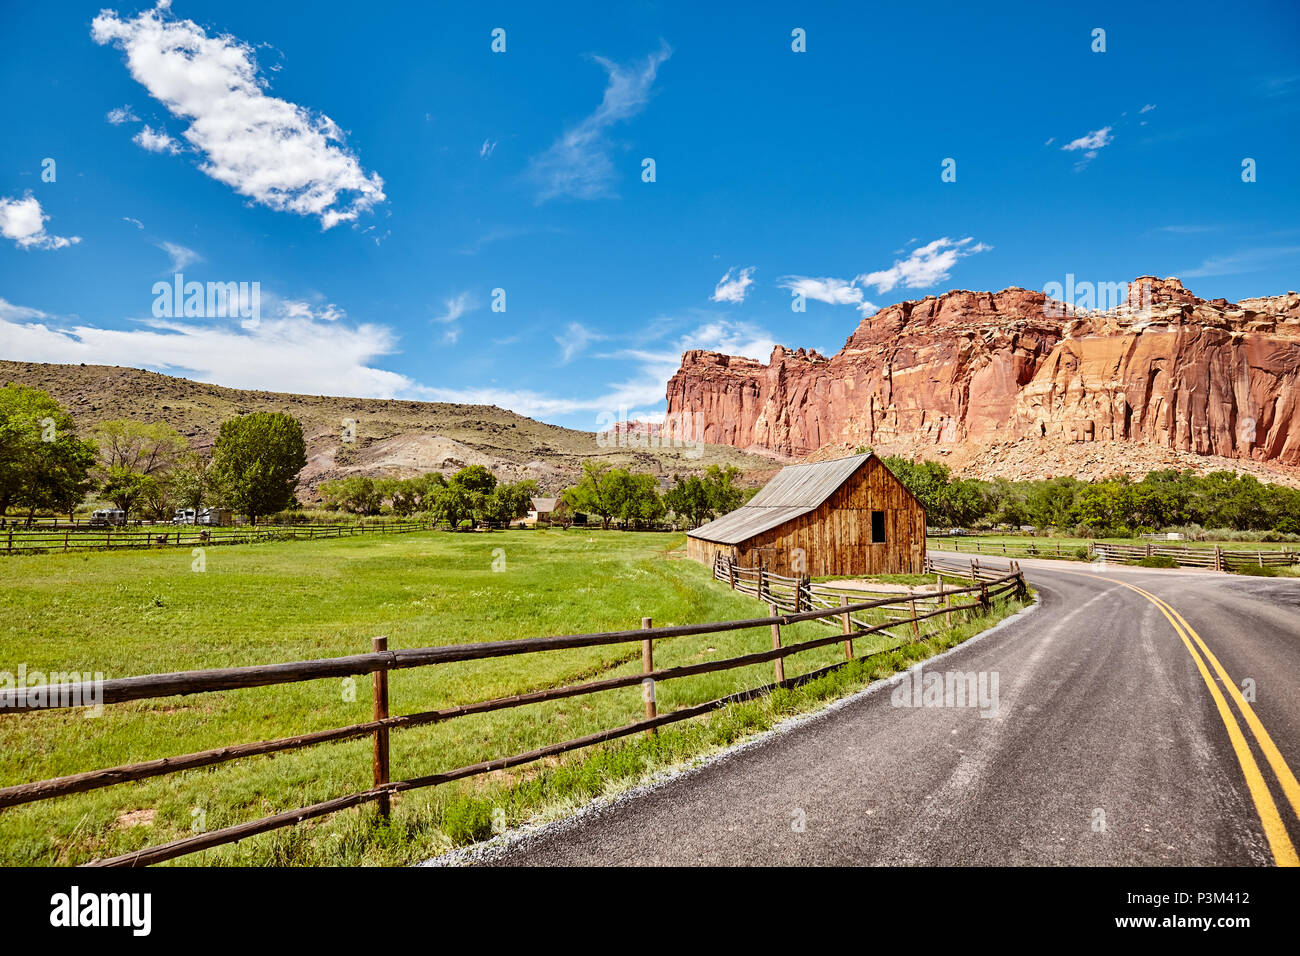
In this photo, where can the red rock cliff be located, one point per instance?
(968, 370)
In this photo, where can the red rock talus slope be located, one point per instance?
(963, 372)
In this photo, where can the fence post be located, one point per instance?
(947, 601)
(648, 684)
(1218, 558)
(974, 566)
(761, 574)
(847, 627)
(731, 572)
(776, 644)
(911, 604)
(380, 677)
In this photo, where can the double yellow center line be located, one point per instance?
(1279, 841)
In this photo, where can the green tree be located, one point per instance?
(596, 492)
(256, 461)
(927, 480)
(356, 493)
(720, 483)
(191, 482)
(43, 464)
(509, 500)
(135, 459)
(475, 479)
(450, 505)
(426, 488)
(689, 499)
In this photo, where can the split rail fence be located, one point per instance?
(895, 608)
(19, 540)
(1216, 558)
(851, 616)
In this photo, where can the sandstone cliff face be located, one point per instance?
(956, 374)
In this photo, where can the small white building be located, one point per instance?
(541, 509)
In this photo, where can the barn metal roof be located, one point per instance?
(796, 490)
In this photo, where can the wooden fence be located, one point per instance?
(381, 661)
(18, 540)
(1216, 558)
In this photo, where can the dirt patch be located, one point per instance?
(134, 818)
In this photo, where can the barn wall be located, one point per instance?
(836, 537)
(704, 551)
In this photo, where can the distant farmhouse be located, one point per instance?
(847, 516)
(541, 510)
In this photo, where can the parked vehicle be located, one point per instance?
(215, 516)
(106, 517)
(184, 516)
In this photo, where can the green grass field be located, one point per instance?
(139, 612)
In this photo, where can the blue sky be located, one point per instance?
(379, 172)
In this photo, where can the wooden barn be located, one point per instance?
(847, 516)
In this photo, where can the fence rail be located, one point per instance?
(1216, 558)
(381, 661)
(18, 540)
(909, 607)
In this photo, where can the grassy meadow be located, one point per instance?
(138, 612)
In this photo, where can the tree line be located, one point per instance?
(632, 500)
(143, 468)
(472, 496)
(1114, 507)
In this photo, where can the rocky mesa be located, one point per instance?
(1166, 377)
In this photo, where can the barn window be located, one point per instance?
(877, 527)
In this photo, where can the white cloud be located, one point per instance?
(830, 290)
(733, 338)
(181, 256)
(277, 153)
(1247, 260)
(926, 266)
(486, 149)
(19, 312)
(1090, 144)
(156, 141)
(23, 221)
(733, 290)
(1148, 108)
(456, 306)
(1092, 141)
(121, 115)
(135, 222)
(577, 164)
(575, 340)
(657, 365)
(299, 309)
(280, 353)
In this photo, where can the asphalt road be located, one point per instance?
(1106, 747)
